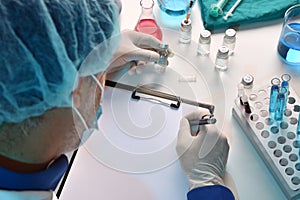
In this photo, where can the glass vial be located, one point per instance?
(163, 55)
(185, 31)
(204, 43)
(229, 40)
(247, 81)
(146, 23)
(222, 58)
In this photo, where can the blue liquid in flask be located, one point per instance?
(174, 7)
(289, 45)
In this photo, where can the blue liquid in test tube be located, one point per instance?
(283, 90)
(280, 107)
(273, 98)
(298, 127)
(285, 86)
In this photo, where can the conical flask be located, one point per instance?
(146, 23)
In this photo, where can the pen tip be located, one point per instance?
(213, 121)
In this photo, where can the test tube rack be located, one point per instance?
(276, 142)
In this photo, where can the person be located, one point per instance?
(54, 58)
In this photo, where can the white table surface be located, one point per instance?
(256, 54)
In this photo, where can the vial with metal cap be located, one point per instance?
(247, 81)
(221, 62)
(185, 31)
(204, 43)
(229, 40)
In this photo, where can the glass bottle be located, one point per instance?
(146, 23)
(222, 58)
(204, 43)
(229, 40)
(185, 31)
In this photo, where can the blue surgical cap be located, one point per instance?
(43, 44)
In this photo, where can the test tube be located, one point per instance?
(298, 127)
(275, 81)
(280, 107)
(273, 98)
(286, 77)
(245, 103)
(285, 89)
(243, 99)
(241, 90)
(285, 84)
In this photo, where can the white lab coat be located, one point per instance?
(27, 195)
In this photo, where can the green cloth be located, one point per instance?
(248, 11)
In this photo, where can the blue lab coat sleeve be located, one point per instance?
(214, 192)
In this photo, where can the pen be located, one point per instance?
(203, 121)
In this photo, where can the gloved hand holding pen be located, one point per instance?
(135, 50)
(203, 153)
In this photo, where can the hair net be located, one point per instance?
(43, 44)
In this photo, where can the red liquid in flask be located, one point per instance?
(150, 27)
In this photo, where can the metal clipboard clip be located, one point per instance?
(155, 93)
(151, 92)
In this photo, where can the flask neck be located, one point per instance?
(146, 9)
